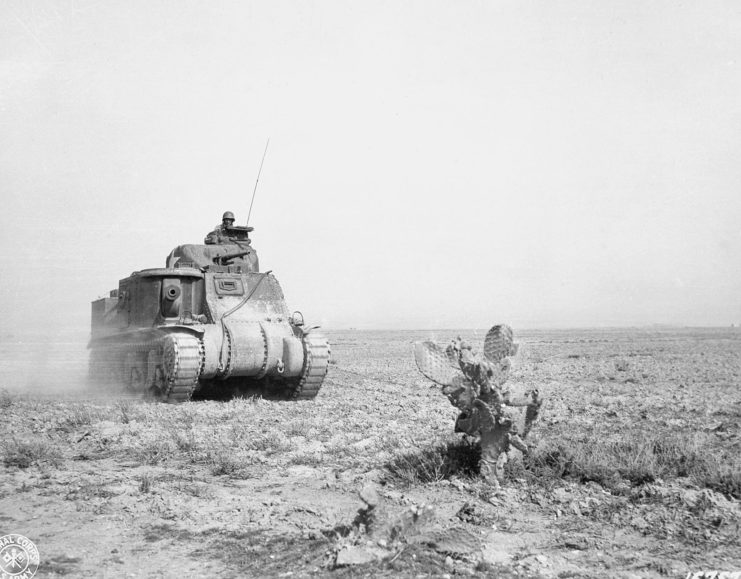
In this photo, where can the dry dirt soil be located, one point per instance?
(634, 472)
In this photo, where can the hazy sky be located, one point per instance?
(431, 164)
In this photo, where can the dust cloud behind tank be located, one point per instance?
(208, 324)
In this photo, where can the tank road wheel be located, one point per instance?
(155, 372)
(136, 380)
(135, 373)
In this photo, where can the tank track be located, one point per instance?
(169, 365)
(316, 364)
(182, 360)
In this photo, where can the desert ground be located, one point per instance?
(635, 468)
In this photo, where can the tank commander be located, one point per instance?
(227, 232)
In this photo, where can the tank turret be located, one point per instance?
(239, 258)
(209, 324)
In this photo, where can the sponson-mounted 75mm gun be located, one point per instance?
(209, 323)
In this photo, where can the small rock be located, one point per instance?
(449, 563)
(369, 495)
(578, 543)
(357, 556)
(393, 495)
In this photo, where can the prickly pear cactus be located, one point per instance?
(475, 384)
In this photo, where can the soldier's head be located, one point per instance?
(228, 219)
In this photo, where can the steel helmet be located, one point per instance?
(228, 215)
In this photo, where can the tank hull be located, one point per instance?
(177, 332)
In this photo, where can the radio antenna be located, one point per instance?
(257, 181)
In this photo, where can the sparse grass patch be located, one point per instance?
(639, 459)
(226, 459)
(259, 553)
(224, 462)
(88, 490)
(167, 531)
(433, 464)
(722, 478)
(145, 483)
(185, 440)
(190, 487)
(59, 565)
(298, 427)
(22, 453)
(79, 415)
(154, 451)
(268, 443)
(308, 459)
(124, 411)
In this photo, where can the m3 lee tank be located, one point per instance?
(208, 323)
